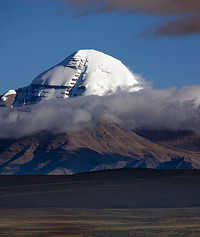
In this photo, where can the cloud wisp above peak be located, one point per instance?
(180, 17)
(172, 109)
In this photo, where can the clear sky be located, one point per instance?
(37, 34)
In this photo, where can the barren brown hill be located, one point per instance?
(181, 139)
(104, 146)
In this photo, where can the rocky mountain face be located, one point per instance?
(105, 146)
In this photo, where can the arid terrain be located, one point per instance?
(62, 222)
(123, 202)
(104, 146)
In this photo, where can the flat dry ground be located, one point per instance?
(58, 222)
(114, 203)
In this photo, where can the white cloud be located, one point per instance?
(152, 108)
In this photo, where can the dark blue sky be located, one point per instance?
(37, 34)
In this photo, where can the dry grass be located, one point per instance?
(58, 222)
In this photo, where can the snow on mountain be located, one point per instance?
(85, 72)
(9, 92)
(99, 73)
(8, 98)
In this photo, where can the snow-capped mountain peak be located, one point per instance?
(85, 72)
(90, 72)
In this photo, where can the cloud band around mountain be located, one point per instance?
(172, 109)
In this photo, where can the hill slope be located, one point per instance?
(105, 146)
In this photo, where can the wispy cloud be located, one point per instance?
(151, 108)
(181, 17)
(189, 25)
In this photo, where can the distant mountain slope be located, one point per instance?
(181, 139)
(105, 146)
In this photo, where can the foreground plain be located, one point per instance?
(124, 202)
(59, 222)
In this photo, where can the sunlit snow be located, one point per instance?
(93, 71)
(86, 72)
